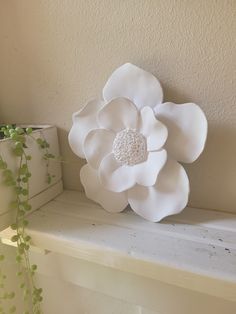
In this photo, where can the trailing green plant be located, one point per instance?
(5, 295)
(19, 182)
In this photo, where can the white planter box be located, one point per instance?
(40, 191)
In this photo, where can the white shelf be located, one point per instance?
(195, 250)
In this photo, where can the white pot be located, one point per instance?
(40, 191)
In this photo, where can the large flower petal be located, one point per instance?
(118, 114)
(98, 144)
(83, 122)
(146, 172)
(112, 202)
(131, 82)
(155, 131)
(167, 197)
(114, 176)
(187, 130)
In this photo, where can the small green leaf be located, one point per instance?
(39, 141)
(25, 223)
(22, 285)
(27, 238)
(29, 130)
(18, 258)
(34, 267)
(15, 238)
(14, 226)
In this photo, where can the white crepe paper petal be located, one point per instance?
(114, 176)
(118, 114)
(112, 202)
(131, 82)
(187, 130)
(98, 143)
(83, 122)
(168, 196)
(146, 173)
(154, 130)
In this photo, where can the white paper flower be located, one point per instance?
(133, 142)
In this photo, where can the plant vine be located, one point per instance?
(20, 183)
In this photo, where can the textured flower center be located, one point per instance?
(129, 147)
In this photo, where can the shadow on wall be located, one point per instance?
(72, 165)
(220, 175)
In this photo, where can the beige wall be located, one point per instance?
(56, 54)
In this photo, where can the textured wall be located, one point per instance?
(56, 54)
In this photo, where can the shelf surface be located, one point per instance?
(195, 250)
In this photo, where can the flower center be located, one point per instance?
(129, 147)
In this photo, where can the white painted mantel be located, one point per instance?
(186, 261)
